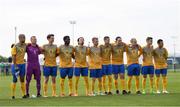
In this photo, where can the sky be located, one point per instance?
(94, 18)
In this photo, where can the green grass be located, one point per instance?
(171, 99)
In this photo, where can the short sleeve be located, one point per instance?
(88, 50)
(13, 50)
(140, 50)
(166, 53)
(57, 50)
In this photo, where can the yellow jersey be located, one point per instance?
(50, 52)
(106, 51)
(160, 58)
(118, 53)
(133, 53)
(147, 53)
(19, 51)
(65, 56)
(80, 53)
(94, 57)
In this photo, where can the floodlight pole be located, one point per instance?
(15, 34)
(72, 22)
(174, 56)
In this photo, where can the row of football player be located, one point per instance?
(103, 61)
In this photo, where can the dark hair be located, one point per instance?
(21, 35)
(49, 36)
(106, 37)
(79, 38)
(12, 45)
(94, 38)
(149, 38)
(118, 38)
(159, 40)
(65, 37)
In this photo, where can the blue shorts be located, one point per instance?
(22, 71)
(147, 70)
(50, 71)
(134, 70)
(95, 73)
(161, 71)
(118, 69)
(81, 71)
(106, 70)
(66, 72)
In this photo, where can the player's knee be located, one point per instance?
(104, 76)
(53, 79)
(63, 77)
(151, 76)
(110, 78)
(115, 76)
(93, 79)
(46, 80)
(164, 75)
(38, 81)
(99, 79)
(144, 76)
(157, 75)
(137, 77)
(21, 79)
(70, 77)
(85, 77)
(28, 81)
(77, 79)
(129, 78)
(14, 80)
(122, 76)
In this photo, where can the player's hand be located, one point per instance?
(28, 44)
(139, 46)
(16, 71)
(16, 68)
(40, 48)
(17, 74)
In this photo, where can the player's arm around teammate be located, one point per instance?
(106, 51)
(50, 66)
(94, 59)
(33, 66)
(133, 52)
(81, 67)
(18, 67)
(66, 53)
(118, 68)
(147, 66)
(160, 61)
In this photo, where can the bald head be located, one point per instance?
(33, 40)
(21, 38)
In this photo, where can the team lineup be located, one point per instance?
(99, 62)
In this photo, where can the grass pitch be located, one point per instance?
(171, 99)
